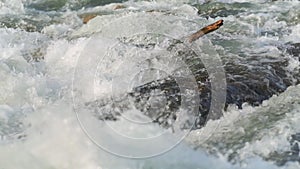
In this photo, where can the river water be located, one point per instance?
(63, 101)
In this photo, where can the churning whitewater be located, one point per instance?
(114, 84)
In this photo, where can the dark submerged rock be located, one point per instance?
(255, 81)
(251, 81)
(217, 9)
(281, 158)
(293, 49)
(48, 5)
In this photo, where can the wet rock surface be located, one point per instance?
(281, 158)
(217, 9)
(293, 49)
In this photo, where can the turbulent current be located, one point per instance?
(115, 84)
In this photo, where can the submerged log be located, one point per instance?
(249, 80)
(168, 86)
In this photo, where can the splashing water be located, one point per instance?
(52, 66)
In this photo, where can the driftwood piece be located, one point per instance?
(205, 30)
(87, 17)
(119, 6)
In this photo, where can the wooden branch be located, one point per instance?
(87, 17)
(205, 30)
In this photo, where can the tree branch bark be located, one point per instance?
(205, 30)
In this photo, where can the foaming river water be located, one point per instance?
(126, 89)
